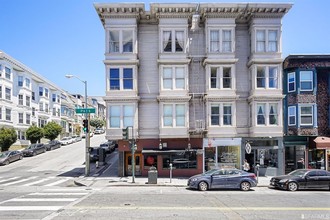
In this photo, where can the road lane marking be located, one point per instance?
(58, 193)
(39, 181)
(6, 180)
(20, 181)
(30, 208)
(42, 200)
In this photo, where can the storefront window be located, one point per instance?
(316, 159)
(267, 157)
(180, 160)
(228, 156)
(149, 161)
(209, 158)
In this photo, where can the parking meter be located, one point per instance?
(171, 168)
(257, 172)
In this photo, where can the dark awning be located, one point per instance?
(162, 151)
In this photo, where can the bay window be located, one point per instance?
(221, 77)
(121, 41)
(8, 114)
(306, 80)
(306, 115)
(292, 115)
(20, 99)
(261, 114)
(121, 112)
(267, 41)
(291, 82)
(20, 118)
(174, 78)
(8, 93)
(220, 40)
(121, 79)
(221, 114)
(7, 73)
(267, 77)
(174, 115)
(267, 114)
(173, 41)
(20, 80)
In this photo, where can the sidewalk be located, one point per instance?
(105, 176)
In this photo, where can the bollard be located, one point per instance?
(171, 168)
(97, 164)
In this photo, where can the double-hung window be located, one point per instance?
(0, 91)
(291, 82)
(41, 91)
(267, 77)
(173, 41)
(46, 92)
(221, 77)
(54, 97)
(267, 114)
(28, 119)
(20, 80)
(221, 114)
(8, 114)
(121, 41)
(124, 112)
(220, 40)
(292, 115)
(306, 80)
(173, 78)
(20, 99)
(273, 114)
(27, 83)
(8, 93)
(174, 115)
(261, 114)
(20, 118)
(121, 78)
(7, 73)
(266, 41)
(306, 115)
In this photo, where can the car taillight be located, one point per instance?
(252, 175)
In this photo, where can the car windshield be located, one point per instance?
(4, 154)
(297, 173)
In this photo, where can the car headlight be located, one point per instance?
(194, 179)
(283, 181)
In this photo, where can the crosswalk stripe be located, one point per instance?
(6, 180)
(39, 181)
(58, 193)
(30, 208)
(19, 181)
(43, 200)
(58, 182)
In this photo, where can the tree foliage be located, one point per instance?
(34, 134)
(8, 136)
(52, 130)
(97, 123)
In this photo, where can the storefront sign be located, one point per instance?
(248, 148)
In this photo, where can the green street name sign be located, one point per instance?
(85, 110)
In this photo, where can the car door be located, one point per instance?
(324, 179)
(312, 179)
(233, 178)
(219, 179)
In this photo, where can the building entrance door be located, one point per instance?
(128, 164)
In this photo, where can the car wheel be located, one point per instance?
(6, 162)
(245, 186)
(21, 157)
(292, 186)
(202, 186)
(34, 153)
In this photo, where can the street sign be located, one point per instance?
(85, 110)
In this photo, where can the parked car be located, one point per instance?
(7, 157)
(223, 178)
(34, 149)
(76, 138)
(99, 131)
(51, 145)
(93, 154)
(66, 140)
(109, 146)
(302, 179)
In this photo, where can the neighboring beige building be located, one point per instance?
(197, 82)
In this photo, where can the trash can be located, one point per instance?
(102, 156)
(152, 175)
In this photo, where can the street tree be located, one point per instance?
(8, 136)
(52, 130)
(34, 134)
(97, 122)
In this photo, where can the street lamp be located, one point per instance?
(87, 138)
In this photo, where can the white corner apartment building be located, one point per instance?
(27, 98)
(198, 85)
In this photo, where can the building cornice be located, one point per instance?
(173, 98)
(121, 99)
(121, 62)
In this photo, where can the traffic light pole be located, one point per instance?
(87, 137)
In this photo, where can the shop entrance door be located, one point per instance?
(128, 164)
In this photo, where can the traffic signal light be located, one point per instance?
(85, 125)
(125, 133)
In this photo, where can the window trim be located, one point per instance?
(221, 114)
(121, 40)
(300, 115)
(266, 113)
(220, 40)
(174, 115)
(294, 81)
(173, 40)
(311, 81)
(289, 115)
(267, 77)
(267, 40)
(220, 77)
(121, 78)
(174, 79)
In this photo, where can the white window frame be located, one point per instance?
(20, 99)
(292, 108)
(173, 35)
(267, 77)
(121, 116)
(174, 117)
(310, 81)
(8, 73)
(20, 81)
(266, 113)
(306, 115)
(8, 93)
(220, 77)
(174, 78)
(266, 41)
(121, 78)
(217, 45)
(294, 81)
(119, 46)
(20, 118)
(222, 114)
(27, 83)
(8, 114)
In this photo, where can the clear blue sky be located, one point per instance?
(58, 37)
